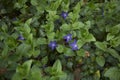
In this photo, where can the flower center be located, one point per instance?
(53, 45)
(64, 14)
(75, 45)
(68, 37)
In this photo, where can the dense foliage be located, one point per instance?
(59, 40)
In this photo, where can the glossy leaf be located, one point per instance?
(113, 71)
(100, 60)
(90, 38)
(65, 27)
(110, 36)
(101, 45)
(41, 41)
(68, 52)
(24, 69)
(114, 53)
(35, 73)
(80, 43)
(77, 25)
(60, 48)
(81, 53)
(57, 67)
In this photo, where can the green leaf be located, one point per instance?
(115, 29)
(28, 22)
(68, 52)
(101, 45)
(44, 60)
(88, 24)
(83, 34)
(65, 5)
(57, 67)
(54, 5)
(65, 27)
(27, 28)
(75, 14)
(5, 50)
(77, 8)
(30, 38)
(16, 76)
(70, 76)
(110, 36)
(113, 73)
(41, 41)
(97, 75)
(27, 65)
(20, 3)
(35, 74)
(4, 27)
(90, 38)
(77, 25)
(62, 76)
(23, 49)
(10, 42)
(81, 53)
(17, 5)
(100, 60)
(70, 65)
(34, 2)
(52, 16)
(60, 48)
(50, 25)
(40, 8)
(80, 43)
(114, 53)
(24, 69)
(51, 36)
(115, 42)
(36, 53)
(57, 72)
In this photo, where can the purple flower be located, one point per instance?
(66, 57)
(44, 66)
(68, 37)
(64, 14)
(74, 45)
(14, 19)
(20, 37)
(52, 45)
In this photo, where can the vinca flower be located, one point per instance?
(14, 19)
(20, 37)
(64, 15)
(74, 45)
(52, 45)
(68, 37)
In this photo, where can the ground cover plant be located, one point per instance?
(59, 40)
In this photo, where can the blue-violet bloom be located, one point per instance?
(44, 66)
(14, 19)
(68, 37)
(74, 45)
(52, 45)
(64, 14)
(20, 37)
